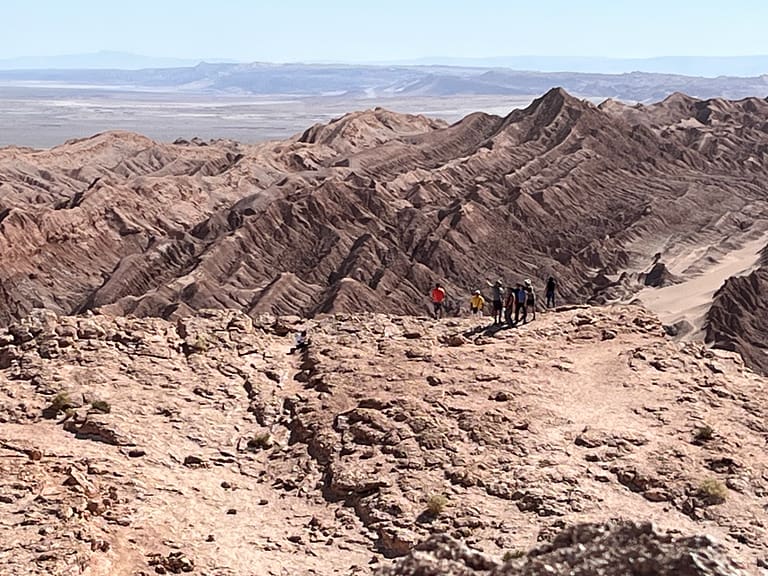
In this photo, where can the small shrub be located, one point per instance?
(60, 403)
(201, 343)
(512, 555)
(703, 434)
(101, 406)
(713, 491)
(261, 441)
(195, 344)
(436, 504)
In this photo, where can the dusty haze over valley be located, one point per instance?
(42, 117)
(258, 101)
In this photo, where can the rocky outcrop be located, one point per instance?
(658, 276)
(613, 549)
(737, 319)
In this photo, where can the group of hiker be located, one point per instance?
(511, 305)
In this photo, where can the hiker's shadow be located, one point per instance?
(490, 330)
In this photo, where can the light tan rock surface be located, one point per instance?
(132, 446)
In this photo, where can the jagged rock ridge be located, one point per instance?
(737, 319)
(365, 213)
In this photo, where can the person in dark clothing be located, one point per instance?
(550, 292)
(301, 342)
(497, 292)
(521, 311)
(509, 305)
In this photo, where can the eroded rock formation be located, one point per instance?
(366, 212)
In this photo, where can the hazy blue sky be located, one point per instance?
(363, 30)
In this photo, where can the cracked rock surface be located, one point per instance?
(205, 446)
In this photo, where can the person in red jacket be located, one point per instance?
(438, 297)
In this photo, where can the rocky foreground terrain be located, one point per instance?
(366, 212)
(585, 442)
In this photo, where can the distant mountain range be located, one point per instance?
(382, 81)
(708, 66)
(97, 60)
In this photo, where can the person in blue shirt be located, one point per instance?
(521, 299)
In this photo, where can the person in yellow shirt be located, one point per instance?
(476, 303)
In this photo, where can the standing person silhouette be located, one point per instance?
(531, 298)
(476, 303)
(497, 293)
(521, 310)
(509, 305)
(438, 297)
(549, 292)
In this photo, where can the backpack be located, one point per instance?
(522, 296)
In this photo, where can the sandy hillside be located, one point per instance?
(690, 299)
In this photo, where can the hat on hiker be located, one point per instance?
(477, 292)
(527, 282)
(498, 282)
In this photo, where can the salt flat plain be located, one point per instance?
(44, 115)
